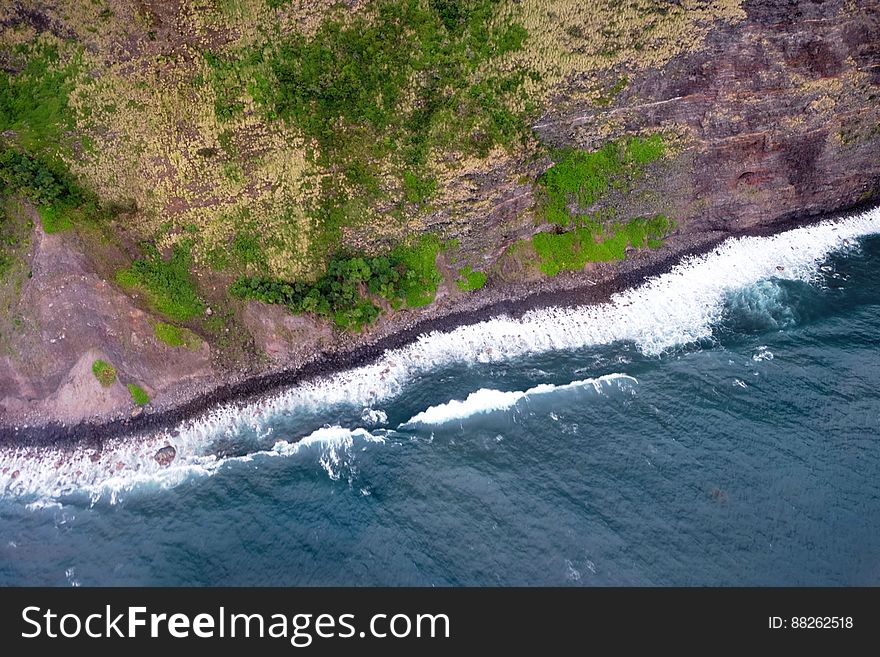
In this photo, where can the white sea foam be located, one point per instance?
(676, 308)
(487, 400)
(50, 474)
(374, 417)
(39, 505)
(763, 353)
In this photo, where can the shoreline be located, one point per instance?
(572, 291)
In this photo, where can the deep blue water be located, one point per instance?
(751, 458)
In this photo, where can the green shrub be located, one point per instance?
(34, 109)
(470, 279)
(12, 235)
(378, 90)
(246, 247)
(418, 189)
(54, 218)
(34, 101)
(580, 178)
(418, 286)
(54, 194)
(393, 70)
(168, 284)
(104, 372)
(138, 395)
(408, 274)
(174, 336)
(340, 293)
(573, 249)
(22, 174)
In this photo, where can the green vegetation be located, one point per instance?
(24, 175)
(54, 219)
(228, 80)
(15, 228)
(104, 372)
(346, 292)
(246, 247)
(169, 334)
(399, 74)
(377, 94)
(218, 259)
(574, 184)
(138, 395)
(572, 250)
(174, 336)
(34, 101)
(579, 178)
(471, 279)
(421, 277)
(168, 284)
(35, 120)
(418, 190)
(338, 294)
(54, 194)
(8, 241)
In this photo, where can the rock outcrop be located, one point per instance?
(776, 117)
(70, 318)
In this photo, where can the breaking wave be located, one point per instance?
(487, 400)
(671, 310)
(106, 476)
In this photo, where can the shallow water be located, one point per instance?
(717, 426)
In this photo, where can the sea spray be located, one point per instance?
(677, 308)
(52, 474)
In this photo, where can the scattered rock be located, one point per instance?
(15, 474)
(137, 412)
(208, 311)
(780, 268)
(165, 455)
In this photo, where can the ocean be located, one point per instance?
(717, 425)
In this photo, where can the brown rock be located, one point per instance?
(165, 456)
(779, 112)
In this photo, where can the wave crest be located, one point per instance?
(487, 400)
(674, 309)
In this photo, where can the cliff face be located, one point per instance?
(768, 111)
(779, 115)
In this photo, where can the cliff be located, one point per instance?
(195, 194)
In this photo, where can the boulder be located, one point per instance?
(165, 456)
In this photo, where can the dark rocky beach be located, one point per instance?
(510, 301)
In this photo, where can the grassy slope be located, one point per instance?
(259, 138)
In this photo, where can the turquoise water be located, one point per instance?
(745, 454)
